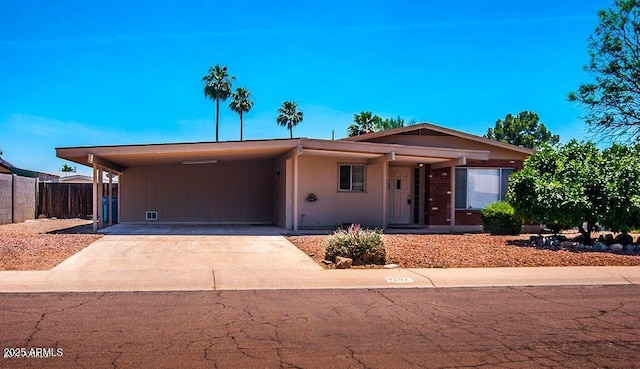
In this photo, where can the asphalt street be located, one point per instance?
(514, 327)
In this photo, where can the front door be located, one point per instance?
(399, 198)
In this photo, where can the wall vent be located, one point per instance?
(152, 215)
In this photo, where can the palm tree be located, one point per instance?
(240, 103)
(217, 86)
(289, 116)
(364, 122)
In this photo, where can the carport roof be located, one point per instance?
(117, 158)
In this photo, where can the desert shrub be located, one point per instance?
(499, 219)
(364, 246)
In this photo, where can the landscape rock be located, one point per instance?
(566, 245)
(536, 240)
(616, 247)
(600, 246)
(606, 239)
(623, 239)
(630, 248)
(343, 263)
(391, 266)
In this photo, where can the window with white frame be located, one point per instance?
(479, 187)
(351, 177)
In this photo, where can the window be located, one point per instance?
(351, 178)
(479, 187)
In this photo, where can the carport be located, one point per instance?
(187, 183)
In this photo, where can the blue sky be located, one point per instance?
(81, 73)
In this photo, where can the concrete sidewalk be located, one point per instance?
(229, 279)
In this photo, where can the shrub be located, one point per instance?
(499, 219)
(363, 246)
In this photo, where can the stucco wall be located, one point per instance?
(22, 198)
(319, 175)
(226, 192)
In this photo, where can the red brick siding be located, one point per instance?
(438, 183)
(468, 217)
(438, 206)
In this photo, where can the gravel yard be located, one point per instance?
(42, 244)
(470, 251)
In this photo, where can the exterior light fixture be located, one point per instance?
(190, 162)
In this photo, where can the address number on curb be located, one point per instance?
(399, 280)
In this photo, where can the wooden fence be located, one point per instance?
(69, 200)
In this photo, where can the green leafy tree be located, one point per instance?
(241, 103)
(217, 86)
(289, 116)
(364, 122)
(524, 130)
(577, 185)
(390, 123)
(67, 168)
(612, 100)
(621, 211)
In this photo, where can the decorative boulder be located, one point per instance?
(623, 239)
(607, 239)
(566, 245)
(616, 247)
(599, 246)
(630, 248)
(536, 240)
(343, 263)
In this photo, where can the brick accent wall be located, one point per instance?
(438, 184)
(468, 217)
(438, 206)
(17, 198)
(473, 217)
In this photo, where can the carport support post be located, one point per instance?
(110, 191)
(100, 195)
(385, 193)
(94, 217)
(295, 191)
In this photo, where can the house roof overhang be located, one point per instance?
(118, 158)
(432, 129)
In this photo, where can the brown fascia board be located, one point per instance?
(80, 154)
(180, 146)
(381, 148)
(440, 129)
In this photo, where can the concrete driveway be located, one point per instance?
(170, 258)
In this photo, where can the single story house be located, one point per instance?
(421, 175)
